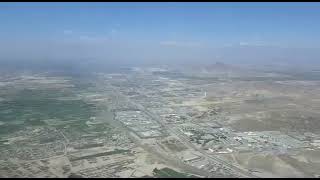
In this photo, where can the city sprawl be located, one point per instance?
(160, 122)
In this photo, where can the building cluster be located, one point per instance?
(274, 141)
(140, 123)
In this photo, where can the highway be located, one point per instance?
(154, 150)
(184, 139)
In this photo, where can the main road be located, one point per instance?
(184, 139)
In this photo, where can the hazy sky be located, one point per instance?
(153, 32)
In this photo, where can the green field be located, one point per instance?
(31, 107)
(170, 173)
